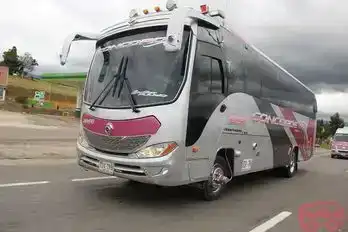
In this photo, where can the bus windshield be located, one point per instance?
(155, 76)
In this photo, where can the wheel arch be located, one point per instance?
(228, 155)
(296, 151)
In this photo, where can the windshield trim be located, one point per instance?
(187, 56)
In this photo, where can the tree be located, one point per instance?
(335, 123)
(320, 129)
(18, 64)
(323, 130)
(11, 60)
(27, 63)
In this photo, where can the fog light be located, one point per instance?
(165, 171)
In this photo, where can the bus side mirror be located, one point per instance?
(176, 25)
(74, 37)
(315, 108)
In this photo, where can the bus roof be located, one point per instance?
(162, 17)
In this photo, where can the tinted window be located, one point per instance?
(209, 36)
(207, 75)
(216, 77)
(277, 88)
(234, 50)
(206, 89)
(201, 74)
(253, 81)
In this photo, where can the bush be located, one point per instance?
(21, 99)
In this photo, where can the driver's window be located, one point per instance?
(207, 76)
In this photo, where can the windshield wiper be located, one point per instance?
(121, 74)
(115, 78)
(130, 91)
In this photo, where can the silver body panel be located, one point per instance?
(215, 138)
(171, 170)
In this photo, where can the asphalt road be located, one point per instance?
(36, 137)
(61, 197)
(17, 133)
(16, 127)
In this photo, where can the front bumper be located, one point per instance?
(170, 170)
(340, 153)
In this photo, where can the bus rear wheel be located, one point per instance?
(213, 187)
(291, 169)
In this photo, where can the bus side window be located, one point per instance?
(235, 79)
(234, 50)
(217, 77)
(315, 108)
(251, 73)
(207, 75)
(201, 75)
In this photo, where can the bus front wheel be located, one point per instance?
(214, 186)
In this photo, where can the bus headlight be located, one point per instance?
(157, 150)
(334, 148)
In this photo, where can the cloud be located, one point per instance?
(332, 102)
(307, 37)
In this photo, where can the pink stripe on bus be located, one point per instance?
(132, 127)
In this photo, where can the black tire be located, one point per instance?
(291, 169)
(333, 156)
(209, 193)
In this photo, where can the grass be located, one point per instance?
(58, 92)
(325, 146)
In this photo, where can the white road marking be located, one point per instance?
(93, 178)
(271, 222)
(24, 184)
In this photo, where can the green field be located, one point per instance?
(60, 95)
(26, 87)
(325, 146)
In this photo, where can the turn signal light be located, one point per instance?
(157, 9)
(195, 149)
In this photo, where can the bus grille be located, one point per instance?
(119, 144)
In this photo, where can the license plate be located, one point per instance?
(106, 167)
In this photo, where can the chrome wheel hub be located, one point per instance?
(217, 175)
(292, 164)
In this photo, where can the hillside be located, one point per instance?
(26, 87)
(56, 94)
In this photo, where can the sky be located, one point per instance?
(306, 37)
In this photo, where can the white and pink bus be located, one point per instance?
(176, 97)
